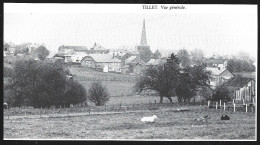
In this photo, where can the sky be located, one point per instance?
(216, 29)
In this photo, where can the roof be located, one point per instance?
(6, 45)
(76, 48)
(98, 47)
(155, 61)
(51, 54)
(238, 81)
(215, 70)
(103, 58)
(65, 52)
(215, 61)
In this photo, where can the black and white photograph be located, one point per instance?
(130, 72)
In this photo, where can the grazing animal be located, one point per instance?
(149, 119)
(225, 117)
(202, 119)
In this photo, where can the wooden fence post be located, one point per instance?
(224, 106)
(233, 101)
(246, 108)
(89, 110)
(208, 104)
(243, 101)
(216, 105)
(220, 103)
(234, 107)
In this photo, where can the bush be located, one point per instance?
(75, 93)
(42, 84)
(221, 93)
(98, 94)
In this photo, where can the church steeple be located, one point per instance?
(143, 37)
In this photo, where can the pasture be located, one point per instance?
(127, 125)
(116, 84)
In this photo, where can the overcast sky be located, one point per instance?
(219, 29)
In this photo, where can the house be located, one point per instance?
(155, 62)
(242, 88)
(74, 57)
(218, 76)
(103, 62)
(212, 62)
(134, 64)
(73, 48)
(97, 48)
(8, 49)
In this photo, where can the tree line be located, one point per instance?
(45, 84)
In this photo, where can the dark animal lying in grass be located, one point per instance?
(225, 117)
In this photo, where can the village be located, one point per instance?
(128, 92)
(130, 61)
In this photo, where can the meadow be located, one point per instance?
(118, 85)
(127, 125)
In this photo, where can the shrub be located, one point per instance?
(75, 93)
(98, 94)
(221, 93)
(42, 84)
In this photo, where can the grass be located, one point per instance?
(169, 125)
(116, 89)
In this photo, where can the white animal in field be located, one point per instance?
(149, 119)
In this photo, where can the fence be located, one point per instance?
(115, 79)
(233, 106)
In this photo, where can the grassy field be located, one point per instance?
(169, 125)
(116, 89)
(116, 84)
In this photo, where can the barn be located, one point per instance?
(242, 88)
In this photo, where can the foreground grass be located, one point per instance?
(169, 125)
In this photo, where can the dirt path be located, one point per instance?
(58, 115)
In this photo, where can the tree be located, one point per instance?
(161, 78)
(145, 54)
(221, 93)
(236, 64)
(40, 84)
(169, 80)
(98, 94)
(41, 52)
(75, 93)
(191, 81)
(197, 56)
(156, 54)
(183, 56)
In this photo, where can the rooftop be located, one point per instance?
(215, 70)
(215, 61)
(238, 81)
(103, 58)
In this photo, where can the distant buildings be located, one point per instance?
(220, 63)
(102, 62)
(218, 76)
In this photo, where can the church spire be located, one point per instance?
(143, 37)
